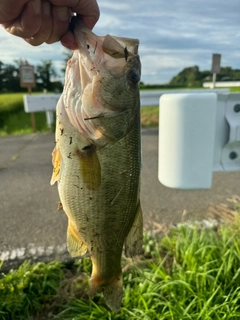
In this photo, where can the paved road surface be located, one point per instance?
(28, 215)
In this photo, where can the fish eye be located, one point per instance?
(134, 76)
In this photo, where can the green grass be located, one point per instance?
(13, 118)
(235, 89)
(149, 116)
(28, 290)
(191, 273)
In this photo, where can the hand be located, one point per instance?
(39, 21)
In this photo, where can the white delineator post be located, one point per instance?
(186, 140)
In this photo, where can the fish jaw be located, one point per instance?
(102, 86)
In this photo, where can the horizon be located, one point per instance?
(170, 40)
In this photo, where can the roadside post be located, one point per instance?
(27, 80)
(199, 133)
(40, 103)
(216, 59)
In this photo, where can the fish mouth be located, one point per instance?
(93, 76)
(96, 50)
(89, 51)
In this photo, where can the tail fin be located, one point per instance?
(112, 291)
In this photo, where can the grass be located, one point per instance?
(13, 118)
(190, 273)
(235, 89)
(150, 116)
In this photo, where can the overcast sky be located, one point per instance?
(173, 34)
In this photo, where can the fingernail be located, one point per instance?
(63, 13)
(36, 5)
(46, 9)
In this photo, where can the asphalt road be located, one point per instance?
(28, 204)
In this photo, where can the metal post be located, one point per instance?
(32, 114)
(214, 80)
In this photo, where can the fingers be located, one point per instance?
(68, 41)
(28, 22)
(61, 17)
(39, 21)
(45, 30)
(55, 24)
(10, 9)
(88, 10)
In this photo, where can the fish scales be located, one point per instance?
(97, 158)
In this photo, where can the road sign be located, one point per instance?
(216, 59)
(27, 76)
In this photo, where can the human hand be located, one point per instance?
(39, 21)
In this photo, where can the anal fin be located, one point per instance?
(133, 241)
(76, 246)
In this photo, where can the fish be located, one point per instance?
(97, 156)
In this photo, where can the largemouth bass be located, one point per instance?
(97, 157)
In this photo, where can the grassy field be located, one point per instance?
(235, 89)
(190, 273)
(14, 120)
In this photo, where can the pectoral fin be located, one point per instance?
(56, 161)
(89, 167)
(76, 246)
(133, 241)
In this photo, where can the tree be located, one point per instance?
(228, 74)
(193, 77)
(188, 77)
(9, 78)
(44, 73)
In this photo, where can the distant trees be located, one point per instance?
(9, 77)
(193, 77)
(44, 72)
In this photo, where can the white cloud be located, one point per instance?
(173, 35)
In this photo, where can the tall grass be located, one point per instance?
(149, 116)
(28, 290)
(13, 118)
(235, 89)
(190, 273)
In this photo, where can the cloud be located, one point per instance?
(173, 35)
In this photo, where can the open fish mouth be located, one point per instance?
(112, 52)
(102, 82)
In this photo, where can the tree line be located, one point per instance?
(45, 72)
(192, 77)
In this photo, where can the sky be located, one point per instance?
(173, 34)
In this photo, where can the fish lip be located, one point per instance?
(84, 37)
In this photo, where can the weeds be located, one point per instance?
(191, 273)
(29, 289)
(13, 118)
(150, 116)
